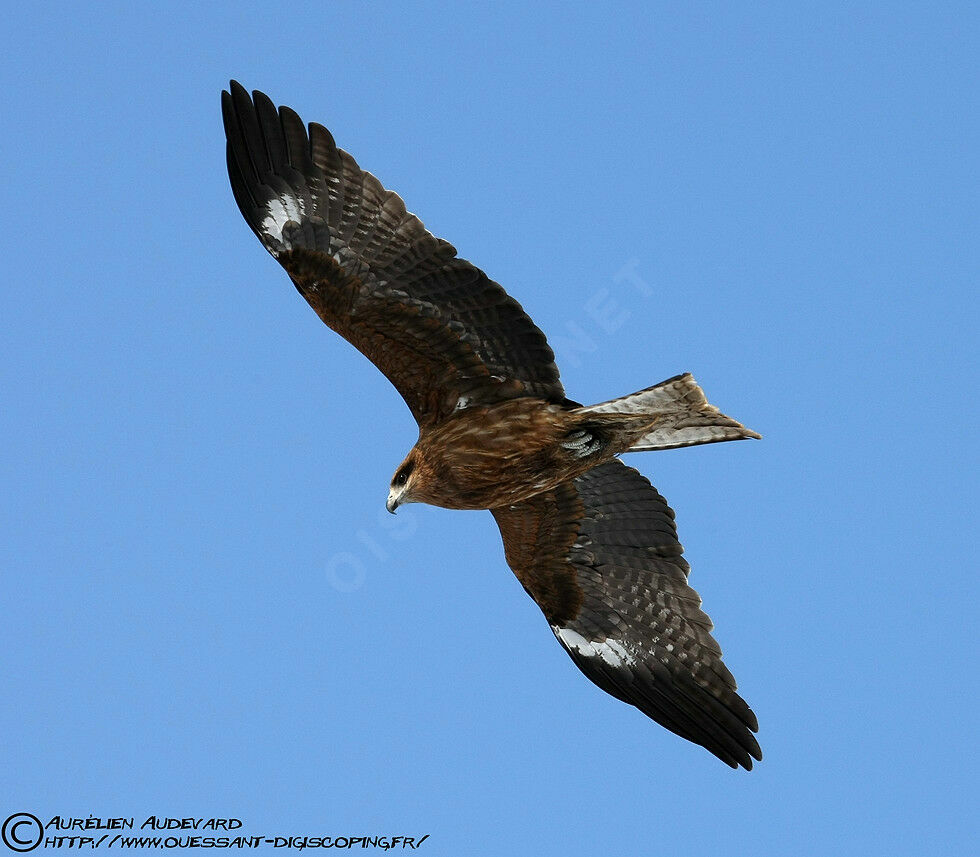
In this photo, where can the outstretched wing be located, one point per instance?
(600, 556)
(439, 329)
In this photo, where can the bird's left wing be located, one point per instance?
(440, 329)
(600, 556)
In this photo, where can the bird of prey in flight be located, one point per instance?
(590, 539)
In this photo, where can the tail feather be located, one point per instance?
(680, 415)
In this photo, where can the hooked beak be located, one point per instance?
(392, 503)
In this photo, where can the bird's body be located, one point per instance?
(494, 455)
(591, 540)
(489, 456)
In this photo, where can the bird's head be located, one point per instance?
(402, 483)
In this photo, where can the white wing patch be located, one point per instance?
(278, 212)
(613, 652)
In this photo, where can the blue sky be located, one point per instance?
(207, 610)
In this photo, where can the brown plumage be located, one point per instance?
(486, 456)
(590, 539)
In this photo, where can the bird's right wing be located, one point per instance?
(600, 556)
(439, 329)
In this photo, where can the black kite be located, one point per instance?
(591, 540)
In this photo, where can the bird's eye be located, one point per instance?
(401, 478)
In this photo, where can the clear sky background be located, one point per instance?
(206, 609)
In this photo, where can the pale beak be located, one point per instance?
(392, 503)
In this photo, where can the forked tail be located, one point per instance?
(680, 415)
